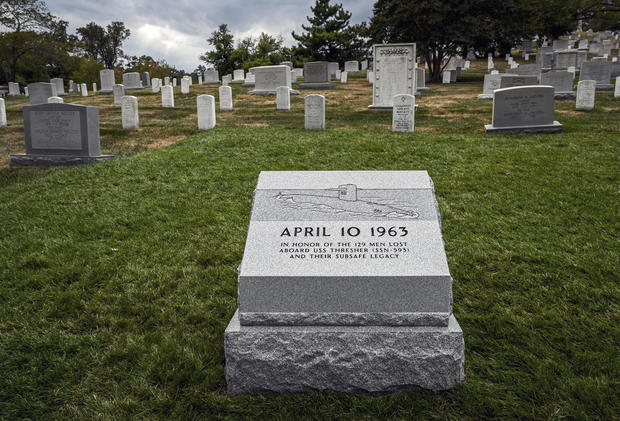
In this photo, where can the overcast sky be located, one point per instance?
(177, 30)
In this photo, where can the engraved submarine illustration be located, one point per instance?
(347, 201)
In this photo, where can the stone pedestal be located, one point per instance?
(372, 359)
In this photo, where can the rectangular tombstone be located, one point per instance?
(394, 67)
(238, 75)
(582, 57)
(583, 44)
(156, 85)
(599, 71)
(119, 92)
(269, 78)
(206, 112)
(316, 76)
(226, 102)
(14, 89)
(84, 89)
(446, 76)
(420, 80)
(586, 93)
(617, 88)
(3, 122)
(524, 109)
(403, 113)
(250, 80)
(562, 83)
(106, 76)
(185, 85)
(211, 77)
(565, 59)
(333, 66)
(167, 80)
(60, 134)
(283, 98)
(510, 81)
(525, 70)
(344, 77)
(364, 64)
(146, 79)
(491, 83)
(560, 44)
(226, 80)
(60, 86)
(167, 96)
(129, 113)
(174, 82)
(352, 66)
(314, 112)
(39, 92)
(132, 81)
(348, 264)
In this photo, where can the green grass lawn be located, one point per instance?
(118, 279)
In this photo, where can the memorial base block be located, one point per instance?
(556, 127)
(325, 85)
(565, 95)
(370, 359)
(268, 93)
(605, 87)
(24, 160)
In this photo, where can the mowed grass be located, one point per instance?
(118, 279)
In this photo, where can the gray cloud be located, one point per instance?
(177, 30)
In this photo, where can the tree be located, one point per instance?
(329, 35)
(221, 56)
(144, 63)
(104, 44)
(24, 18)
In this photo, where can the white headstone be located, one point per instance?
(314, 112)
(119, 92)
(184, 85)
(174, 82)
(238, 75)
(527, 57)
(617, 88)
(55, 100)
(167, 80)
(394, 67)
(351, 66)
(155, 85)
(283, 98)
(129, 112)
(226, 102)
(2, 113)
(446, 76)
(495, 72)
(344, 76)
(94, 87)
(403, 113)
(106, 77)
(338, 74)
(206, 112)
(84, 90)
(26, 91)
(167, 96)
(586, 90)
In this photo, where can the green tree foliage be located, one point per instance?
(87, 71)
(104, 44)
(144, 63)
(329, 35)
(221, 55)
(25, 19)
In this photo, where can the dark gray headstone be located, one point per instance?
(316, 76)
(146, 79)
(510, 81)
(60, 134)
(599, 71)
(524, 109)
(39, 92)
(562, 83)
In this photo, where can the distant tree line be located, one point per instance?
(440, 28)
(35, 46)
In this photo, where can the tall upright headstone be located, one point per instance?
(206, 111)
(167, 96)
(94, 87)
(586, 93)
(420, 80)
(283, 98)
(403, 113)
(146, 79)
(491, 83)
(394, 67)
(314, 112)
(332, 67)
(129, 113)
(14, 89)
(119, 92)
(344, 77)
(523, 109)
(3, 122)
(185, 85)
(344, 285)
(238, 75)
(617, 88)
(250, 80)
(84, 89)
(226, 101)
(60, 86)
(166, 80)
(106, 77)
(60, 134)
(155, 85)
